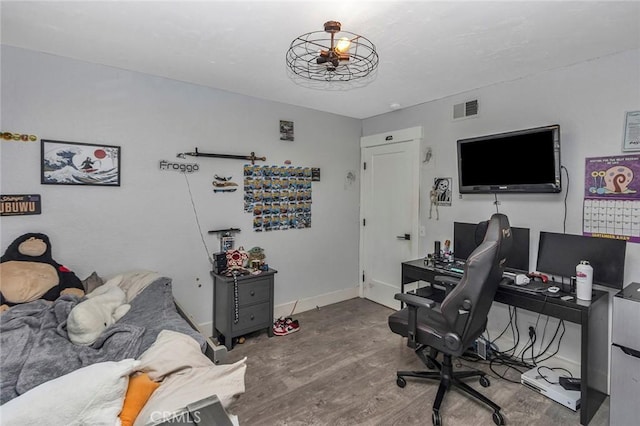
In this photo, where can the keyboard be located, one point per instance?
(455, 268)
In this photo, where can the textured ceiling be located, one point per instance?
(428, 50)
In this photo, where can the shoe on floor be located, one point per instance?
(284, 326)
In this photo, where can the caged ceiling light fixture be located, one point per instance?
(331, 55)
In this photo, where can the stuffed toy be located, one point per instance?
(256, 257)
(236, 259)
(28, 272)
(102, 308)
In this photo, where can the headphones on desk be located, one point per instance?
(541, 277)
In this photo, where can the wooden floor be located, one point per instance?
(339, 369)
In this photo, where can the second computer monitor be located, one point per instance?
(558, 254)
(468, 236)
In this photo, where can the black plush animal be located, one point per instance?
(28, 272)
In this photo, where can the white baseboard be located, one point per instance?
(207, 327)
(301, 305)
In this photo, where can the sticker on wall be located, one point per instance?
(315, 174)
(20, 204)
(611, 206)
(442, 188)
(279, 197)
(179, 167)
(286, 130)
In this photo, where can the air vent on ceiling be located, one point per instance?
(465, 109)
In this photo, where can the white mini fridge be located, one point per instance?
(625, 358)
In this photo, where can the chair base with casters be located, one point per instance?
(448, 378)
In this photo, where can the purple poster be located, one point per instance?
(612, 197)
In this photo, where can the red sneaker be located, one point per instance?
(288, 326)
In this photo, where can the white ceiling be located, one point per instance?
(428, 50)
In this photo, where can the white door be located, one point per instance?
(389, 211)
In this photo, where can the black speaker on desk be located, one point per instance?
(219, 262)
(436, 250)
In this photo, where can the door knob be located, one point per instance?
(404, 237)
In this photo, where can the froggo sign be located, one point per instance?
(179, 167)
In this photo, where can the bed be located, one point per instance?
(47, 379)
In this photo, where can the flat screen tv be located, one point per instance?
(558, 254)
(524, 161)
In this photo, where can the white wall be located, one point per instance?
(149, 222)
(588, 100)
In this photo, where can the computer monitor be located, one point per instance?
(464, 240)
(558, 254)
(468, 236)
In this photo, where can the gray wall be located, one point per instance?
(149, 222)
(588, 100)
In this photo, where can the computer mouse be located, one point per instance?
(553, 289)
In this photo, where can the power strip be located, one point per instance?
(481, 348)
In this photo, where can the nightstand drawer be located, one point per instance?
(252, 317)
(254, 292)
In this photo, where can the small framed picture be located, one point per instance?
(227, 243)
(631, 140)
(286, 130)
(74, 163)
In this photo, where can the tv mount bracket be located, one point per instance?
(253, 158)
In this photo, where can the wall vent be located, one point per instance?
(465, 109)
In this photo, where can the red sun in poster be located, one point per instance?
(99, 154)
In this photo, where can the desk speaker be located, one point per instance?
(219, 262)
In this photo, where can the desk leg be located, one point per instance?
(594, 359)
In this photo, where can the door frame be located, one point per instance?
(413, 136)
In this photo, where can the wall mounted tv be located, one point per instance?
(524, 161)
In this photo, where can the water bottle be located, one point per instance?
(584, 280)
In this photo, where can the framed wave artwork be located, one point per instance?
(73, 163)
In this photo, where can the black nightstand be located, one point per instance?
(250, 310)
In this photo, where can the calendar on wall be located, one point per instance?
(611, 206)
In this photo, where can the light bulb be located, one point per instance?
(343, 45)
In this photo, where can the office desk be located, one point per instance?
(593, 317)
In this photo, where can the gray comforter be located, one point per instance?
(35, 348)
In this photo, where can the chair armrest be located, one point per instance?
(413, 304)
(413, 300)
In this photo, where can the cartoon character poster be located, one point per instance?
(612, 197)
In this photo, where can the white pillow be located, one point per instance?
(91, 395)
(133, 282)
